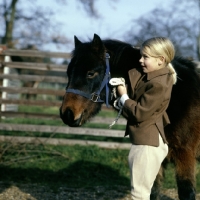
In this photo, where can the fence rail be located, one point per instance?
(35, 53)
(28, 90)
(36, 66)
(34, 78)
(45, 74)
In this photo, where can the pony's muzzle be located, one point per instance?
(69, 119)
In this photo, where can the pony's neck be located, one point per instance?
(123, 57)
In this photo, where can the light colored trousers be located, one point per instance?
(144, 163)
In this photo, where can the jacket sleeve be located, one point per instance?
(146, 105)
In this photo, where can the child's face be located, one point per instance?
(150, 63)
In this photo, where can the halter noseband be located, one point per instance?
(95, 97)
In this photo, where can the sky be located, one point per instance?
(114, 21)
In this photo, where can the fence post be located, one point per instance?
(2, 57)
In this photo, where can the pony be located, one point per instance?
(91, 66)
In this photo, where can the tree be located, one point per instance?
(32, 24)
(180, 23)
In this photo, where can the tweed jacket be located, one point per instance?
(145, 110)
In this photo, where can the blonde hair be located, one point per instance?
(160, 46)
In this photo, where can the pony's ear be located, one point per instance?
(97, 45)
(77, 42)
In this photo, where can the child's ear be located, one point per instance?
(161, 60)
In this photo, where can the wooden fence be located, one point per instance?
(41, 73)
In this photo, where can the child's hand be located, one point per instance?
(121, 90)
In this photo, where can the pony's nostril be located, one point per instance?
(68, 118)
(69, 114)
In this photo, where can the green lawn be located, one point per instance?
(68, 165)
(71, 166)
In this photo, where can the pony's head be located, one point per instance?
(85, 74)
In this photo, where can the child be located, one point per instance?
(144, 107)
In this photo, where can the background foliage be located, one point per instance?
(27, 22)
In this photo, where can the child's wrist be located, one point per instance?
(123, 98)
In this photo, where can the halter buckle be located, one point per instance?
(94, 97)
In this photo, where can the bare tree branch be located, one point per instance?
(37, 26)
(90, 8)
(177, 23)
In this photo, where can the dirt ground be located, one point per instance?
(35, 192)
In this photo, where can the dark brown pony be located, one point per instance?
(88, 69)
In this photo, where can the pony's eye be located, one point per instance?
(91, 74)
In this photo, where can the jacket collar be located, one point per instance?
(138, 73)
(158, 72)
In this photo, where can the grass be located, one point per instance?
(71, 166)
(65, 165)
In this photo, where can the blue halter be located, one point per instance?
(95, 97)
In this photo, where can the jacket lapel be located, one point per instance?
(134, 76)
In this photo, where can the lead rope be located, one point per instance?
(114, 82)
(116, 119)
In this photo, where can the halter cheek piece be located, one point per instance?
(95, 96)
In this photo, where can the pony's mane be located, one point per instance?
(115, 44)
(116, 48)
(186, 69)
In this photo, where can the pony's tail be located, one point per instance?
(173, 72)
